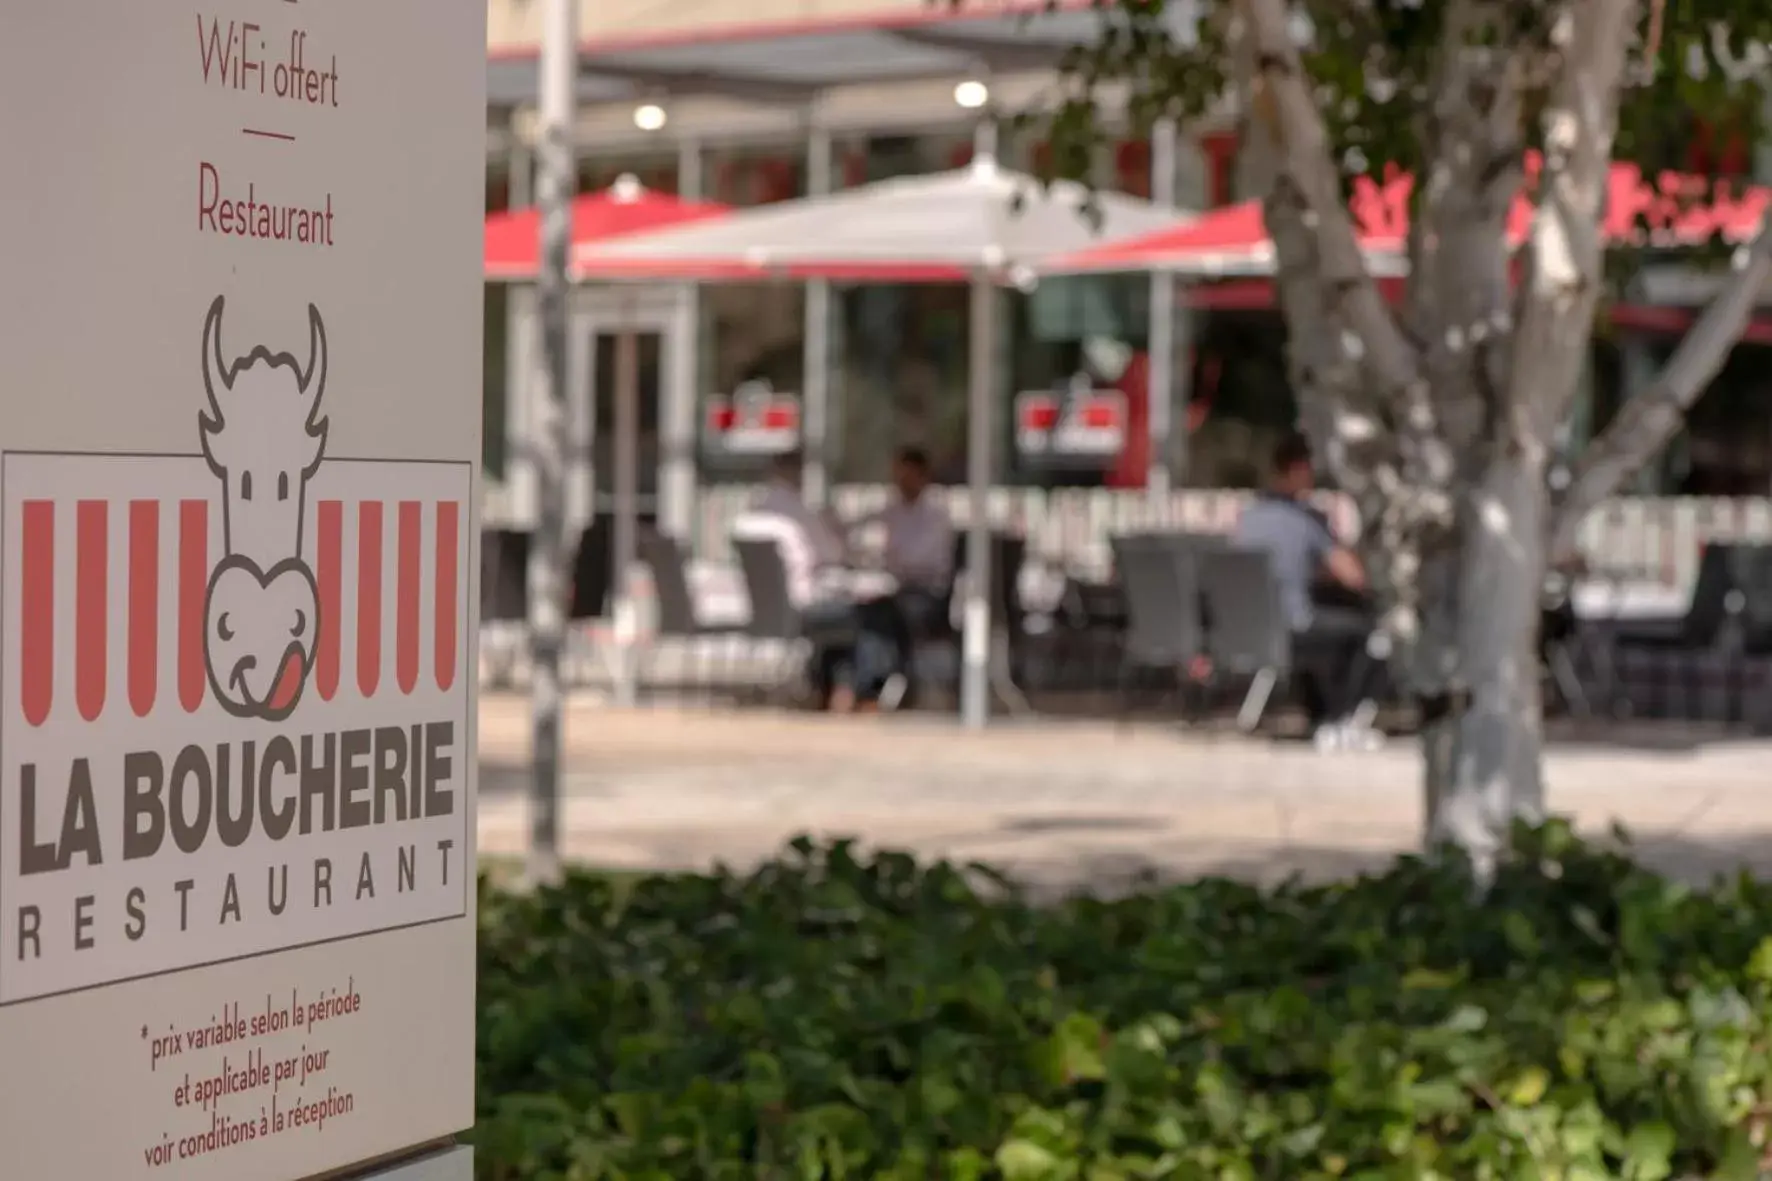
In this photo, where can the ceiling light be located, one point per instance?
(649, 117)
(972, 94)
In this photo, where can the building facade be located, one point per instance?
(781, 98)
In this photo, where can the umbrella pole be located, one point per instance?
(627, 442)
(975, 625)
(1158, 396)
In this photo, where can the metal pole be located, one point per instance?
(627, 443)
(981, 425)
(1160, 386)
(521, 166)
(815, 476)
(975, 619)
(984, 138)
(549, 545)
(677, 411)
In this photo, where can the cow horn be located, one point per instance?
(215, 370)
(313, 383)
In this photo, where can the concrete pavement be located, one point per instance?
(1064, 802)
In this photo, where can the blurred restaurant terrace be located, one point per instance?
(777, 99)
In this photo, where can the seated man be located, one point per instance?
(1326, 640)
(809, 549)
(919, 555)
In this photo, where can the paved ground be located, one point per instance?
(1064, 802)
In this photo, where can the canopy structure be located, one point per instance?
(513, 238)
(1233, 242)
(791, 65)
(982, 224)
(941, 228)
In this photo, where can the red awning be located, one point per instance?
(1253, 295)
(513, 238)
(1233, 241)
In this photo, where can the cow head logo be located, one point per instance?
(263, 437)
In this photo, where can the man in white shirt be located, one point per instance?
(811, 549)
(809, 545)
(919, 538)
(919, 554)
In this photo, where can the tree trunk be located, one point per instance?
(549, 545)
(1482, 750)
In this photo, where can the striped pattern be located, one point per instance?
(109, 606)
(1651, 539)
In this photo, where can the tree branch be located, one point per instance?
(1648, 421)
(1472, 136)
(1284, 103)
(1564, 266)
(1362, 391)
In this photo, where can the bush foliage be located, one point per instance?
(831, 1016)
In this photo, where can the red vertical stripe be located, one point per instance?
(91, 569)
(37, 611)
(144, 604)
(406, 591)
(193, 583)
(368, 597)
(330, 576)
(448, 557)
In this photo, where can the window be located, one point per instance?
(756, 176)
(498, 186)
(1220, 150)
(493, 379)
(657, 170)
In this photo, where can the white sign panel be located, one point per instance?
(756, 420)
(1089, 425)
(239, 427)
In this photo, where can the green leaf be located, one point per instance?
(1023, 1160)
(1465, 1019)
(1648, 1152)
(1421, 979)
(1076, 1050)
(1740, 1160)
(1759, 965)
(1520, 935)
(1529, 1087)
(837, 1016)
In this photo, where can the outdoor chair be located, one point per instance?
(1087, 635)
(593, 570)
(1753, 578)
(1246, 634)
(1707, 612)
(1566, 642)
(775, 624)
(1008, 618)
(589, 598)
(1164, 632)
(504, 603)
(676, 617)
(1693, 667)
(504, 597)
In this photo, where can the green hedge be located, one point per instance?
(830, 1016)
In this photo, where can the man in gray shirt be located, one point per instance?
(1306, 558)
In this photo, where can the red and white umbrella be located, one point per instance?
(1233, 242)
(946, 227)
(979, 225)
(513, 237)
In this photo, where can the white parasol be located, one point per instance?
(982, 224)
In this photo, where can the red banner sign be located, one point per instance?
(1090, 425)
(754, 420)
